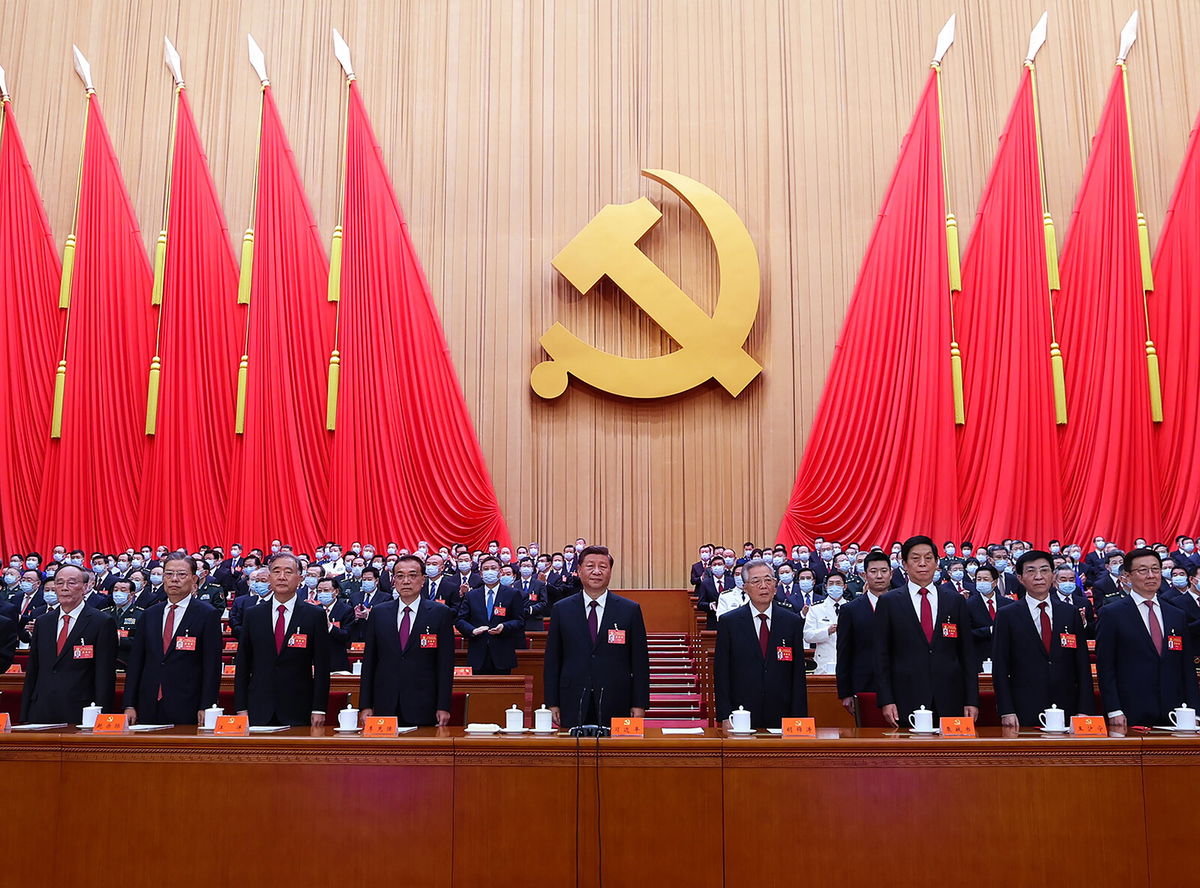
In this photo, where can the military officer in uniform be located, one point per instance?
(124, 613)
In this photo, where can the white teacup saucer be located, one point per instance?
(1175, 730)
(347, 730)
(927, 732)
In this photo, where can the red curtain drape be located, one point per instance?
(887, 468)
(407, 465)
(1109, 479)
(29, 279)
(1175, 314)
(90, 493)
(185, 494)
(281, 464)
(1008, 449)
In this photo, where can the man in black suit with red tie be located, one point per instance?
(1144, 657)
(72, 657)
(597, 663)
(174, 671)
(491, 617)
(533, 592)
(282, 668)
(408, 664)
(759, 660)
(924, 653)
(699, 567)
(1039, 650)
(856, 632)
(983, 604)
(1109, 585)
(713, 582)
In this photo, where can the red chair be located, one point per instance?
(867, 713)
(988, 716)
(459, 703)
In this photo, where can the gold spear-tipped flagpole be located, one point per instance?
(1128, 36)
(1057, 374)
(171, 59)
(84, 70)
(341, 51)
(258, 62)
(953, 264)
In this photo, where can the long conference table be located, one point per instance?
(437, 807)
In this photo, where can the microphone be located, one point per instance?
(600, 709)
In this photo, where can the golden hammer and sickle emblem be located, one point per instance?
(710, 347)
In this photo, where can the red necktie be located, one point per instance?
(1045, 620)
(593, 624)
(1155, 629)
(280, 629)
(926, 616)
(169, 628)
(405, 626)
(62, 636)
(992, 609)
(763, 634)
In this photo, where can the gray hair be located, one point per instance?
(758, 562)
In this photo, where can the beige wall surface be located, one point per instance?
(507, 125)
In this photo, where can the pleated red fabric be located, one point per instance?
(185, 494)
(886, 468)
(89, 497)
(1110, 483)
(280, 474)
(29, 280)
(1008, 477)
(407, 465)
(1175, 318)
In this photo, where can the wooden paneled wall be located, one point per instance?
(507, 124)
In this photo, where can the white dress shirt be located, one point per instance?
(1032, 603)
(1144, 613)
(914, 594)
(412, 619)
(754, 613)
(601, 600)
(74, 615)
(180, 610)
(874, 599)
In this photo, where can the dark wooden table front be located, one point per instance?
(436, 807)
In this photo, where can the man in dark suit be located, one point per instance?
(438, 586)
(983, 605)
(1066, 591)
(699, 567)
(533, 592)
(492, 619)
(597, 664)
(339, 615)
(1187, 599)
(1185, 552)
(759, 660)
(72, 658)
(94, 597)
(1109, 585)
(174, 669)
(1093, 562)
(282, 667)
(856, 632)
(408, 663)
(1039, 650)
(955, 579)
(713, 582)
(1144, 657)
(260, 591)
(924, 654)
(800, 595)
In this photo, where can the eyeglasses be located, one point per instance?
(1146, 571)
(761, 581)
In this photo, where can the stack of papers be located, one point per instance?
(683, 730)
(144, 728)
(39, 727)
(269, 729)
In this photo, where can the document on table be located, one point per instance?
(268, 729)
(682, 731)
(143, 729)
(39, 727)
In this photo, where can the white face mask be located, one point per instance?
(834, 592)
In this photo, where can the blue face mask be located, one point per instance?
(1179, 582)
(778, 560)
(260, 587)
(984, 586)
(718, 570)
(12, 579)
(356, 571)
(805, 585)
(431, 571)
(326, 598)
(526, 572)
(155, 579)
(738, 582)
(120, 599)
(490, 577)
(311, 582)
(835, 592)
(956, 575)
(50, 596)
(26, 586)
(368, 586)
(785, 578)
(506, 580)
(1066, 587)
